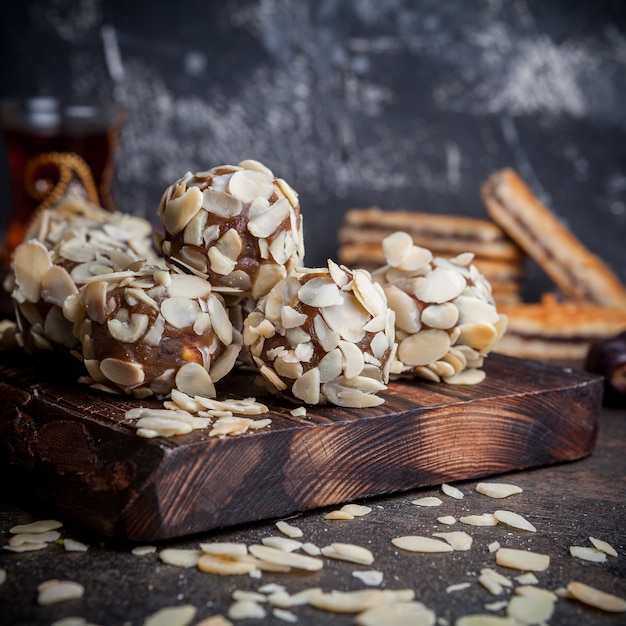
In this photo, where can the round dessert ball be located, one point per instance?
(239, 227)
(147, 332)
(323, 336)
(445, 317)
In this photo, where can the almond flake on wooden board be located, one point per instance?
(287, 529)
(415, 543)
(588, 554)
(428, 501)
(172, 616)
(595, 597)
(524, 560)
(56, 591)
(515, 520)
(453, 492)
(603, 546)
(498, 490)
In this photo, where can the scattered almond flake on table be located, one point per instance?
(180, 557)
(254, 596)
(447, 519)
(214, 620)
(348, 552)
(56, 591)
(499, 578)
(484, 620)
(496, 606)
(595, 597)
(498, 490)
(282, 543)
(338, 515)
(588, 554)
(72, 545)
(490, 584)
(30, 538)
(288, 529)
(524, 560)
(494, 546)
(397, 614)
(415, 543)
(284, 600)
(527, 579)
(245, 609)
(459, 540)
(289, 559)
(457, 587)
(143, 550)
(531, 590)
(230, 549)
(357, 510)
(370, 577)
(285, 615)
(534, 609)
(225, 566)
(603, 546)
(428, 501)
(336, 601)
(172, 616)
(298, 411)
(485, 519)
(515, 520)
(40, 526)
(453, 492)
(271, 588)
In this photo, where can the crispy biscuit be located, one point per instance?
(448, 234)
(579, 274)
(557, 331)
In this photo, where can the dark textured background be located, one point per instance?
(400, 103)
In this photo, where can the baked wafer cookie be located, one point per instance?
(557, 331)
(449, 235)
(579, 274)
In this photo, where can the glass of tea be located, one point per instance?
(54, 148)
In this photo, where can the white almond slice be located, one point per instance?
(289, 192)
(338, 274)
(588, 554)
(254, 596)
(466, 377)
(596, 598)
(491, 585)
(498, 490)
(179, 311)
(428, 501)
(442, 316)
(447, 519)
(484, 620)
(289, 529)
(338, 515)
(40, 526)
(221, 203)
(459, 540)
(353, 360)
(369, 294)
(515, 520)
(327, 338)
(21, 538)
(531, 609)
(180, 557)
(370, 577)
(457, 587)
(499, 578)
(230, 244)
(257, 166)
(414, 543)
(320, 292)
(290, 318)
(248, 184)
(417, 260)
(397, 614)
(479, 335)
(224, 566)
(194, 380)
(405, 308)
(603, 546)
(219, 262)
(285, 544)
(330, 366)
(265, 224)
(397, 247)
(343, 395)
(439, 286)
(347, 602)
(289, 559)
(522, 560)
(424, 347)
(453, 492)
(526, 579)
(188, 286)
(55, 591)
(530, 590)
(143, 550)
(307, 387)
(57, 285)
(347, 318)
(71, 545)
(193, 234)
(27, 547)
(122, 373)
(348, 552)
(358, 510)
(31, 262)
(230, 549)
(172, 616)
(246, 609)
(130, 331)
(472, 310)
(222, 324)
(179, 211)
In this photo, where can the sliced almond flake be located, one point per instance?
(497, 606)
(515, 520)
(484, 620)
(71, 545)
(180, 557)
(415, 543)
(21, 538)
(286, 544)
(485, 519)
(358, 510)
(311, 549)
(172, 616)
(459, 540)
(397, 614)
(27, 547)
(288, 529)
(56, 591)
(428, 501)
(40, 526)
(499, 578)
(143, 550)
(337, 601)
(271, 588)
(224, 566)
(179, 211)
(494, 546)
(457, 587)
(527, 579)
(289, 559)
(603, 546)
(535, 609)
(596, 598)
(338, 515)
(370, 577)
(215, 620)
(588, 554)
(298, 411)
(447, 519)
(491, 585)
(498, 490)
(254, 596)
(522, 560)
(246, 609)
(228, 549)
(285, 615)
(348, 552)
(530, 590)
(451, 491)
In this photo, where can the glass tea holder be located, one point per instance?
(55, 148)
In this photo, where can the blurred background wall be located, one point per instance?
(397, 103)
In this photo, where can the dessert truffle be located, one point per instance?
(239, 227)
(323, 335)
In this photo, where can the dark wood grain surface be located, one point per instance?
(68, 446)
(567, 502)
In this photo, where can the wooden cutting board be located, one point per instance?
(72, 448)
